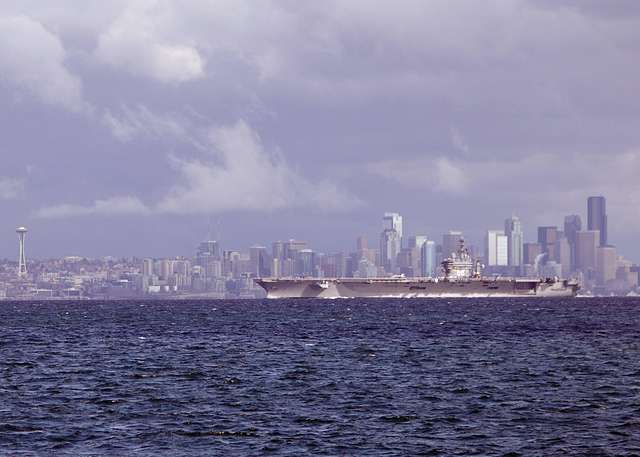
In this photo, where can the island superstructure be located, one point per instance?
(461, 277)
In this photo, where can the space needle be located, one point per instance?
(22, 260)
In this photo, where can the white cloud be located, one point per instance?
(244, 176)
(550, 185)
(131, 122)
(11, 188)
(108, 206)
(239, 174)
(31, 57)
(136, 42)
(439, 174)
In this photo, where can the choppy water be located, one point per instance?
(377, 377)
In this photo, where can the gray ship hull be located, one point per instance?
(416, 288)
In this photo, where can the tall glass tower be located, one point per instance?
(513, 230)
(597, 217)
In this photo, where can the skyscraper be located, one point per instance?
(428, 259)
(209, 248)
(496, 248)
(392, 221)
(513, 230)
(587, 242)
(390, 240)
(389, 249)
(606, 264)
(531, 251)
(572, 225)
(277, 250)
(259, 262)
(562, 254)
(597, 217)
(361, 243)
(547, 237)
(292, 247)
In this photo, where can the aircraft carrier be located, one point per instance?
(461, 277)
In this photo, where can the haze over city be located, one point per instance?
(138, 128)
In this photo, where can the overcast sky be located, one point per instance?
(137, 127)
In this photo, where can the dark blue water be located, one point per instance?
(378, 377)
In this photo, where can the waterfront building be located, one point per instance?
(597, 217)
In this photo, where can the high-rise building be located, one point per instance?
(291, 248)
(147, 267)
(392, 221)
(209, 248)
(547, 237)
(530, 252)
(587, 242)
(597, 217)
(416, 241)
(450, 243)
(305, 263)
(259, 261)
(276, 267)
(389, 249)
(515, 240)
(361, 243)
(496, 248)
(606, 264)
(572, 225)
(277, 250)
(428, 259)
(22, 259)
(390, 241)
(415, 244)
(562, 254)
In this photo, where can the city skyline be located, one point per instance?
(477, 236)
(572, 250)
(127, 126)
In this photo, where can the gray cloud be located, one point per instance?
(103, 207)
(33, 58)
(135, 41)
(530, 105)
(240, 175)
